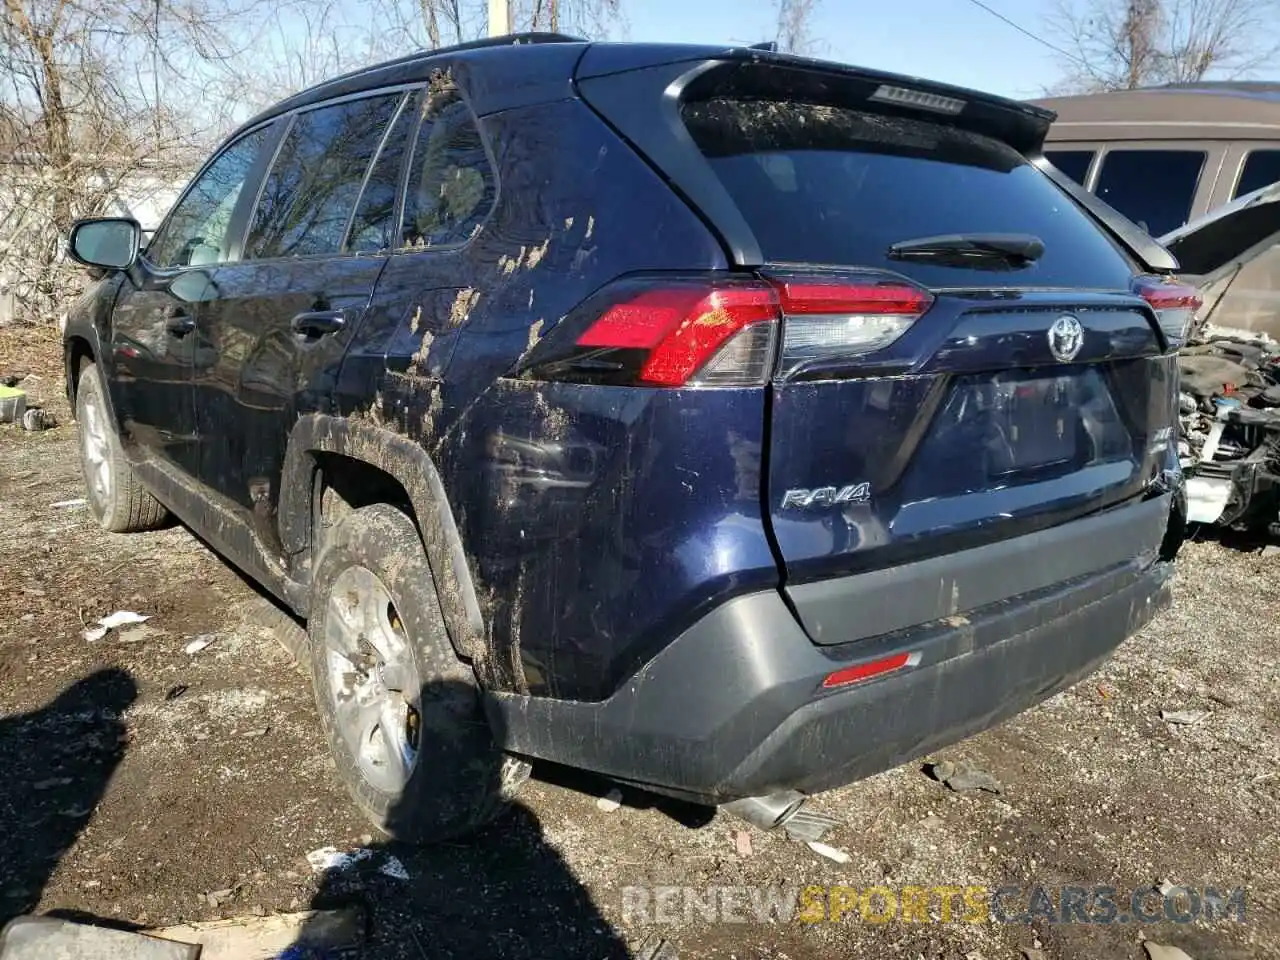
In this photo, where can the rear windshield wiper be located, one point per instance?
(978, 250)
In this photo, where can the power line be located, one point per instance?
(1025, 32)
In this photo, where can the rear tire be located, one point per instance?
(401, 711)
(116, 497)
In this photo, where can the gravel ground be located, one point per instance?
(144, 785)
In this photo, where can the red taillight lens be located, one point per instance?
(684, 328)
(805, 297)
(1175, 305)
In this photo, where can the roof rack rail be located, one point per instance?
(506, 40)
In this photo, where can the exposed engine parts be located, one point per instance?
(1230, 427)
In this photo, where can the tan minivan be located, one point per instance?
(1167, 157)
(1198, 166)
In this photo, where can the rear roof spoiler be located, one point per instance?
(1021, 125)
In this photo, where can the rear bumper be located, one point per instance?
(734, 707)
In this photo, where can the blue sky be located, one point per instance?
(950, 40)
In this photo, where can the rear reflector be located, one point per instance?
(1175, 305)
(872, 668)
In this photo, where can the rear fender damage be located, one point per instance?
(413, 468)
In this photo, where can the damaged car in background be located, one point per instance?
(1230, 363)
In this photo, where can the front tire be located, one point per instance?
(401, 711)
(116, 497)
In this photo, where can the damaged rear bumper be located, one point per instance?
(736, 707)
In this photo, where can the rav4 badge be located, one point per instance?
(827, 496)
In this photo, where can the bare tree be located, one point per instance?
(90, 99)
(311, 40)
(1126, 44)
(587, 18)
(795, 26)
(96, 94)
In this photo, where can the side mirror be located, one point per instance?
(110, 243)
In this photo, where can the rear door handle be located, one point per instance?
(317, 323)
(179, 322)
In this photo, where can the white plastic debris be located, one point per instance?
(331, 858)
(69, 504)
(610, 802)
(831, 853)
(199, 643)
(1186, 718)
(393, 868)
(1158, 951)
(121, 618)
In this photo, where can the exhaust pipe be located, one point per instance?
(767, 813)
(783, 809)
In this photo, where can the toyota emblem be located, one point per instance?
(1066, 337)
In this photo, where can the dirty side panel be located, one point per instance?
(586, 513)
(606, 519)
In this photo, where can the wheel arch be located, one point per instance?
(317, 436)
(77, 352)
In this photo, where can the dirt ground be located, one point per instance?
(140, 784)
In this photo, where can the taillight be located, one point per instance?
(693, 333)
(1175, 305)
(667, 331)
(834, 318)
(723, 330)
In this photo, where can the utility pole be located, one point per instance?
(499, 18)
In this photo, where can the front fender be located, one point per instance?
(88, 327)
(414, 469)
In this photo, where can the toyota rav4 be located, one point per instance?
(728, 423)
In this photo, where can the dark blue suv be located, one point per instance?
(729, 423)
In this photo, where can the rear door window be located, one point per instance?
(311, 191)
(832, 185)
(374, 226)
(1153, 188)
(1074, 163)
(1261, 168)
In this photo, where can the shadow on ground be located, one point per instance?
(56, 763)
(503, 892)
(1252, 540)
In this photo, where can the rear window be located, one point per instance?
(830, 185)
(1153, 188)
(1261, 169)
